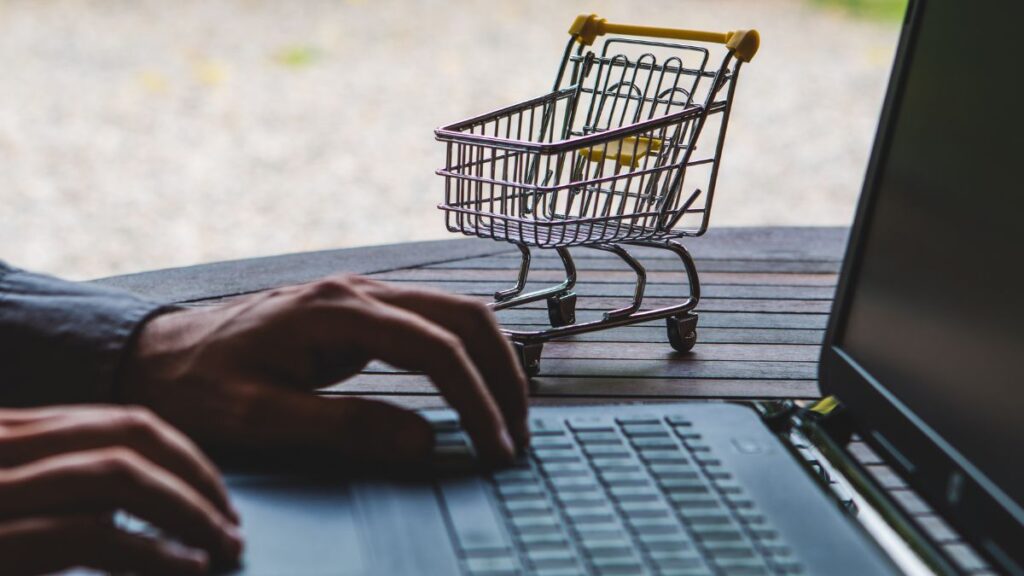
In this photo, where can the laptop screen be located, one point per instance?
(933, 311)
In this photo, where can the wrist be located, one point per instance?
(151, 356)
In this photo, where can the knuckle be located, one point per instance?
(138, 423)
(139, 417)
(449, 344)
(331, 288)
(479, 311)
(118, 462)
(478, 318)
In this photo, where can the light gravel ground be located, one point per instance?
(145, 134)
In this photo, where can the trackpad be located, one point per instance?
(294, 526)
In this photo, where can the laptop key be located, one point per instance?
(645, 442)
(633, 492)
(684, 571)
(695, 517)
(524, 490)
(728, 550)
(679, 421)
(581, 499)
(546, 427)
(653, 525)
(644, 509)
(565, 469)
(558, 571)
(557, 455)
(591, 438)
(613, 478)
(741, 566)
(531, 507)
(601, 423)
(582, 516)
(494, 566)
(608, 549)
(551, 556)
(664, 456)
(706, 533)
(615, 464)
(671, 540)
(541, 540)
(607, 451)
(560, 442)
(617, 565)
(639, 430)
(674, 470)
(526, 524)
(638, 419)
(689, 500)
(515, 476)
(602, 532)
(574, 482)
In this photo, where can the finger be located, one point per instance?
(13, 417)
(357, 429)
(476, 325)
(407, 340)
(79, 429)
(48, 544)
(100, 481)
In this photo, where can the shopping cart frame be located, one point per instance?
(601, 232)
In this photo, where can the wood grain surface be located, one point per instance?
(766, 296)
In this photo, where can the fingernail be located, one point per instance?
(508, 444)
(195, 561)
(523, 435)
(235, 516)
(235, 540)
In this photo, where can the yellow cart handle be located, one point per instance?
(742, 43)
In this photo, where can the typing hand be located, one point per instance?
(65, 470)
(240, 374)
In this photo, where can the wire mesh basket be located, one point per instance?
(624, 150)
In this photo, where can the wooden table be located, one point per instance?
(766, 295)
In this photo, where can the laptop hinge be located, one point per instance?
(818, 434)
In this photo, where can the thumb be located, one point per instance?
(356, 429)
(375, 431)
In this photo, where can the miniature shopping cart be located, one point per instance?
(624, 151)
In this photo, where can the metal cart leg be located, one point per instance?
(682, 329)
(562, 306)
(524, 270)
(641, 280)
(513, 297)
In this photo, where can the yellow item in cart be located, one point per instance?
(626, 152)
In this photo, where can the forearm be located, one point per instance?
(61, 341)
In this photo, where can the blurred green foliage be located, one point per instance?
(874, 9)
(297, 56)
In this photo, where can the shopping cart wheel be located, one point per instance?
(529, 356)
(562, 309)
(682, 331)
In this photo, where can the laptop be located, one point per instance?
(922, 360)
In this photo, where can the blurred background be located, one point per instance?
(146, 134)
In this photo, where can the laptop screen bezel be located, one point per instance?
(950, 483)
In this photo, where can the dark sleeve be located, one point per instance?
(61, 341)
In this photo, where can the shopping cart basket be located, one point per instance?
(624, 151)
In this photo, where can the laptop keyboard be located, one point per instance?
(603, 495)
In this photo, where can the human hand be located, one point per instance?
(65, 470)
(240, 373)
